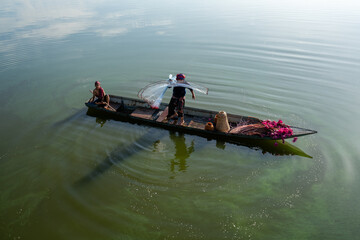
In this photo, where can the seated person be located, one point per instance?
(101, 97)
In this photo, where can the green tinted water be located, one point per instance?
(67, 175)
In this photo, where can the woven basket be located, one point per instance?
(222, 123)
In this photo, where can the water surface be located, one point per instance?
(67, 175)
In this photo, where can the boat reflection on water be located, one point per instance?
(268, 146)
(182, 152)
(101, 121)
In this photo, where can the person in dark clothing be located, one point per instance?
(177, 102)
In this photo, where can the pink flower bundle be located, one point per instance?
(277, 130)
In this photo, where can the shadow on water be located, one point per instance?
(149, 140)
(75, 116)
(121, 153)
(78, 115)
(182, 152)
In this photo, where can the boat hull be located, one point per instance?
(149, 117)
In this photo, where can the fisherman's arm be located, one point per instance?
(192, 93)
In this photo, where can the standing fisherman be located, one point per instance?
(177, 101)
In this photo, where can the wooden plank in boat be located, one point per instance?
(163, 115)
(145, 113)
(198, 125)
(115, 105)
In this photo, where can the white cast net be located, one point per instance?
(154, 92)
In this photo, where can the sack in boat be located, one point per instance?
(215, 119)
(209, 126)
(250, 129)
(222, 123)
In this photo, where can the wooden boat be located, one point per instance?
(139, 111)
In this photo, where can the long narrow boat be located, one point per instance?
(139, 111)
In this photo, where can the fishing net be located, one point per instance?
(250, 130)
(154, 92)
(273, 129)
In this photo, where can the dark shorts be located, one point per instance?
(177, 104)
(101, 99)
(98, 100)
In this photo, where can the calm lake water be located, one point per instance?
(67, 175)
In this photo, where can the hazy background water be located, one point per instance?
(66, 175)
